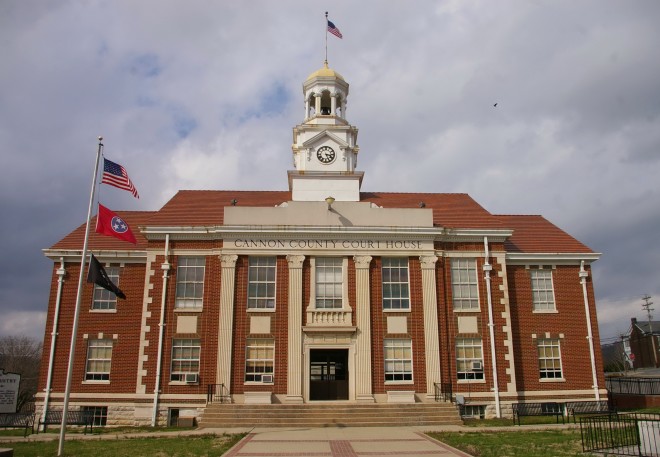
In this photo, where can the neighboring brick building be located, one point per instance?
(644, 343)
(325, 293)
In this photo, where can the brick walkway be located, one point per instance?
(341, 442)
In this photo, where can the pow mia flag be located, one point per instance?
(98, 276)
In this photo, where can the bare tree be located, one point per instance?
(22, 355)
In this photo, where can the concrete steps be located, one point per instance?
(315, 415)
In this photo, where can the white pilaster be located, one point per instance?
(225, 327)
(363, 393)
(295, 371)
(431, 336)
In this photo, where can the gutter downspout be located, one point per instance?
(53, 335)
(583, 280)
(491, 328)
(165, 266)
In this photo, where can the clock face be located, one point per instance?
(325, 154)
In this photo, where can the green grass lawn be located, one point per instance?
(516, 443)
(189, 446)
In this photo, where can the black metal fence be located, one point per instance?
(633, 386)
(625, 434)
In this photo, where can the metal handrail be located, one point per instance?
(217, 393)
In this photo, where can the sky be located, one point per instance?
(204, 94)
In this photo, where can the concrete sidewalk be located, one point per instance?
(342, 442)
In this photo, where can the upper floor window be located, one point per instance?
(543, 297)
(329, 282)
(261, 283)
(398, 360)
(185, 360)
(549, 359)
(104, 299)
(190, 282)
(469, 358)
(396, 288)
(99, 356)
(464, 286)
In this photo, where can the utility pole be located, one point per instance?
(647, 307)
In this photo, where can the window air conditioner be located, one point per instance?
(192, 378)
(477, 365)
(267, 378)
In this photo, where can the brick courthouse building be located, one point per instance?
(324, 293)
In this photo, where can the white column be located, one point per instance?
(590, 339)
(431, 333)
(333, 104)
(295, 369)
(225, 327)
(317, 104)
(363, 393)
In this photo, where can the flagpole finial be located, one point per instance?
(100, 139)
(326, 14)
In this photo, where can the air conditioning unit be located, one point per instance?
(192, 378)
(267, 378)
(477, 365)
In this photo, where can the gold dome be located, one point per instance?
(325, 72)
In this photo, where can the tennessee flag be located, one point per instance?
(108, 223)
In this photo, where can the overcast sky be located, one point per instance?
(204, 94)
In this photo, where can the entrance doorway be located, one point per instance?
(328, 374)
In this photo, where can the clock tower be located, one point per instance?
(325, 146)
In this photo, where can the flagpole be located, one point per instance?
(326, 37)
(76, 315)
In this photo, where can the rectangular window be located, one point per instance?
(396, 289)
(99, 356)
(104, 299)
(469, 358)
(259, 360)
(464, 284)
(473, 411)
(549, 359)
(543, 297)
(261, 283)
(99, 413)
(329, 282)
(190, 282)
(185, 360)
(398, 360)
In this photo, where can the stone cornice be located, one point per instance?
(70, 255)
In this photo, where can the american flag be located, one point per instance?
(115, 175)
(334, 30)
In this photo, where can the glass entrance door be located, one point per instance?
(328, 374)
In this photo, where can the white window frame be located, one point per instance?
(103, 300)
(259, 360)
(316, 286)
(188, 361)
(262, 279)
(189, 285)
(468, 351)
(395, 275)
(549, 355)
(99, 360)
(464, 284)
(398, 361)
(543, 290)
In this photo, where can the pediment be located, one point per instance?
(324, 135)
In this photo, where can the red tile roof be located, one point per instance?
(537, 234)
(190, 208)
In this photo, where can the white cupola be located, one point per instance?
(325, 145)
